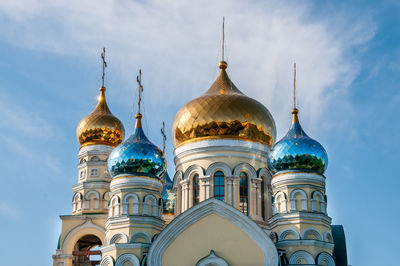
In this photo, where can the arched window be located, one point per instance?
(196, 189)
(219, 185)
(244, 192)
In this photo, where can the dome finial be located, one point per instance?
(294, 86)
(103, 56)
(222, 64)
(295, 111)
(140, 88)
(163, 136)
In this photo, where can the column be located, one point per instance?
(185, 194)
(205, 188)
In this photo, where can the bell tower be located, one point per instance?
(300, 224)
(137, 168)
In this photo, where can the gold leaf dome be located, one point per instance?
(223, 111)
(100, 126)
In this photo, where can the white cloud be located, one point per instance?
(24, 121)
(178, 45)
(9, 211)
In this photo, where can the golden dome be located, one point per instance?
(100, 126)
(223, 111)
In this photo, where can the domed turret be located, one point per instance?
(223, 111)
(297, 151)
(137, 156)
(100, 126)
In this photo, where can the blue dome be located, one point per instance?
(297, 151)
(137, 156)
(168, 195)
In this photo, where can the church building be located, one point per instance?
(238, 197)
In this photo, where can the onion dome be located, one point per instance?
(223, 111)
(168, 195)
(100, 126)
(297, 151)
(137, 156)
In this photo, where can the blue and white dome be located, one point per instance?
(137, 156)
(168, 195)
(297, 151)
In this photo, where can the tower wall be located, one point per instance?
(208, 158)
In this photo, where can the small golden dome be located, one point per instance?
(223, 111)
(100, 126)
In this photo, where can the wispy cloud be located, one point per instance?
(175, 41)
(9, 211)
(20, 120)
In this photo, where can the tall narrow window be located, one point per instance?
(196, 189)
(219, 185)
(244, 193)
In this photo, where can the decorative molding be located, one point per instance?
(127, 258)
(98, 183)
(312, 231)
(218, 166)
(263, 172)
(107, 261)
(288, 231)
(192, 170)
(135, 203)
(299, 255)
(302, 242)
(325, 257)
(116, 237)
(129, 181)
(212, 259)
(327, 235)
(209, 146)
(140, 235)
(280, 218)
(290, 177)
(120, 246)
(177, 178)
(95, 150)
(304, 200)
(247, 168)
(205, 208)
(87, 224)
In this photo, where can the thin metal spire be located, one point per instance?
(103, 58)
(140, 88)
(163, 136)
(294, 86)
(223, 38)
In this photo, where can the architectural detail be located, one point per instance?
(301, 257)
(203, 210)
(233, 183)
(107, 261)
(325, 259)
(212, 259)
(117, 238)
(127, 258)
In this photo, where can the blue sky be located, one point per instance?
(347, 56)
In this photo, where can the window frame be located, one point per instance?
(244, 193)
(218, 187)
(196, 189)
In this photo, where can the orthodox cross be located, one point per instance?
(294, 86)
(140, 87)
(103, 56)
(223, 38)
(163, 136)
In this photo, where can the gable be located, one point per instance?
(213, 225)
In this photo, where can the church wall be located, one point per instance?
(211, 233)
